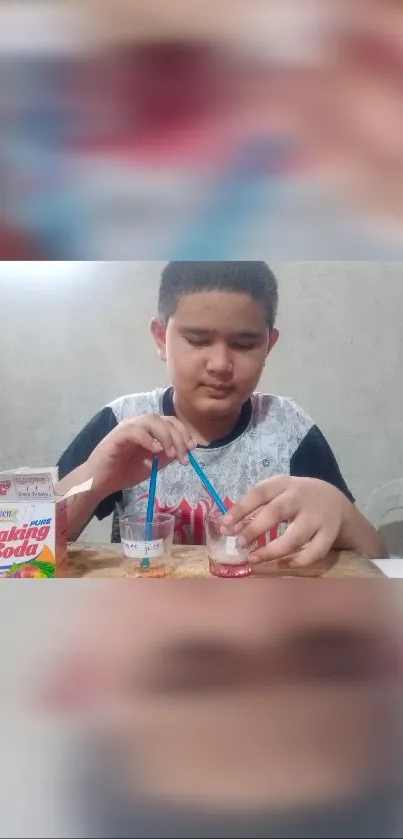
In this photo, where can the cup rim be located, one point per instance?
(214, 515)
(141, 518)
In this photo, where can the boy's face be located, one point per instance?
(215, 344)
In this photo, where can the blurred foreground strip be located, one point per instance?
(273, 713)
(163, 129)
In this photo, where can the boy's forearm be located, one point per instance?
(358, 534)
(80, 508)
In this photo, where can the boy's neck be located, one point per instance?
(205, 430)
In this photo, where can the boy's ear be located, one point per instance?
(158, 331)
(274, 336)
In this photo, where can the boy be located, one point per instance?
(215, 329)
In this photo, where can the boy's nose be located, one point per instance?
(219, 361)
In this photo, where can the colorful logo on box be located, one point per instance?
(42, 567)
(23, 552)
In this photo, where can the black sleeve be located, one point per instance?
(81, 448)
(315, 459)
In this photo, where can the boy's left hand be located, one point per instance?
(314, 510)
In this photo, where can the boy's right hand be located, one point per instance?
(124, 457)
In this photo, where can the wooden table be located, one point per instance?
(192, 562)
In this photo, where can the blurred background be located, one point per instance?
(189, 710)
(76, 336)
(209, 130)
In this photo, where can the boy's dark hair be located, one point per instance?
(253, 278)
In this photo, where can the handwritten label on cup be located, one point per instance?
(142, 550)
(234, 556)
(231, 546)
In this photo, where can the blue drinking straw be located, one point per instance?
(257, 170)
(145, 563)
(204, 479)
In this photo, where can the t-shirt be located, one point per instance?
(273, 436)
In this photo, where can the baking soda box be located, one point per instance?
(33, 524)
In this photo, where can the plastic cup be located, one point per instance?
(149, 557)
(225, 558)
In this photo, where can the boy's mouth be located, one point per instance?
(218, 391)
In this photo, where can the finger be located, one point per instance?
(317, 549)
(181, 445)
(139, 436)
(240, 527)
(162, 432)
(156, 435)
(262, 494)
(297, 535)
(190, 442)
(174, 437)
(270, 516)
(163, 461)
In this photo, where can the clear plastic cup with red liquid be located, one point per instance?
(226, 558)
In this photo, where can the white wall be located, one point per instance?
(73, 337)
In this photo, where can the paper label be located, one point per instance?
(142, 550)
(231, 546)
(27, 484)
(234, 556)
(37, 486)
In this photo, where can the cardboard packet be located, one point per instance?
(33, 523)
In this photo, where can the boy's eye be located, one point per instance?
(198, 342)
(241, 346)
(238, 346)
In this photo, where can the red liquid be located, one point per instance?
(230, 571)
